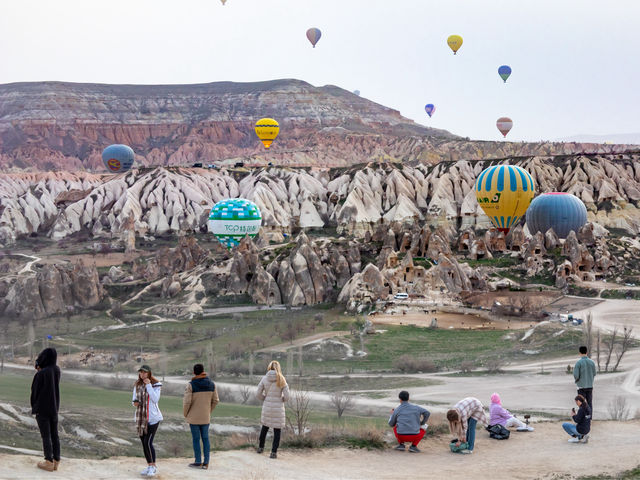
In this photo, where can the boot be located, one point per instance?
(46, 465)
(55, 464)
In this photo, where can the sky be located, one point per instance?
(576, 64)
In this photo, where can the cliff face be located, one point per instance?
(354, 200)
(64, 126)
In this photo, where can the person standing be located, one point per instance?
(463, 418)
(273, 391)
(580, 431)
(199, 400)
(45, 403)
(584, 372)
(146, 395)
(409, 423)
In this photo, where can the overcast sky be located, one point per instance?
(576, 64)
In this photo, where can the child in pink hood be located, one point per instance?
(502, 416)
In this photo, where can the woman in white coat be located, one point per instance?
(273, 391)
(146, 395)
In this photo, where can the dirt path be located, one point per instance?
(283, 347)
(544, 453)
(610, 314)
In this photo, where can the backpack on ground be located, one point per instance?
(499, 432)
(458, 449)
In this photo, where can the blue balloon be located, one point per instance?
(561, 211)
(118, 158)
(504, 71)
(429, 108)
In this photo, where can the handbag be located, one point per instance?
(498, 432)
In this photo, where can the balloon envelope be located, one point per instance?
(454, 42)
(267, 130)
(231, 219)
(429, 108)
(504, 71)
(504, 124)
(118, 158)
(314, 34)
(561, 211)
(357, 92)
(504, 192)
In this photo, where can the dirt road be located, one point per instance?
(544, 453)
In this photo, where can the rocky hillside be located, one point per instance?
(354, 200)
(64, 126)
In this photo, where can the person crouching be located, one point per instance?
(409, 422)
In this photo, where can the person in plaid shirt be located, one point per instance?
(463, 418)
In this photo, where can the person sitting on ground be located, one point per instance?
(409, 422)
(463, 418)
(580, 431)
(501, 416)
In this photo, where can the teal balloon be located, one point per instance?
(232, 219)
(561, 211)
(505, 72)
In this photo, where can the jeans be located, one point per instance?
(198, 432)
(570, 428)
(147, 443)
(50, 441)
(471, 432)
(587, 393)
(276, 438)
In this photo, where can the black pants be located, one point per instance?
(587, 393)
(147, 443)
(50, 441)
(276, 438)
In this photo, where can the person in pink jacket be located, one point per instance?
(502, 416)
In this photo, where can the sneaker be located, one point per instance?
(530, 429)
(400, 447)
(466, 451)
(195, 465)
(46, 465)
(145, 471)
(573, 440)
(273, 455)
(414, 449)
(585, 438)
(205, 466)
(152, 471)
(259, 450)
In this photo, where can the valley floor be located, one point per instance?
(543, 454)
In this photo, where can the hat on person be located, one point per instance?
(145, 368)
(495, 398)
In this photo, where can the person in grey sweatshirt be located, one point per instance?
(409, 423)
(583, 373)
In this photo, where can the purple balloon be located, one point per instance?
(429, 108)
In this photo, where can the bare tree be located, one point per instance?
(298, 411)
(611, 344)
(598, 349)
(245, 393)
(625, 344)
(618, 409)
(341, 402)
(587, 331)
(31, 339)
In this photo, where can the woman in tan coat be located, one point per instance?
(273, 391)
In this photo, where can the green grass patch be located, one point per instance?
(498, 262)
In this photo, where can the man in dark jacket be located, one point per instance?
(200, 398)
(45, 401)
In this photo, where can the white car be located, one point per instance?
(401, 296)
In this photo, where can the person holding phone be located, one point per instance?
(146, 395)
(273, 392)
(580, 431)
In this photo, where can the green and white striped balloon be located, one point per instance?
(231, 219)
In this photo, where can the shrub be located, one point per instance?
(467, 367)
(411, 364)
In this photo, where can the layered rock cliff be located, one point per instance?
(64, 126)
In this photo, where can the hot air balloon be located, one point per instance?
(223, 2)
(454, 42)
(314, 34)
(267, 130)
(504, 71)
(504, 192)
(356, 92)
(231, 219)
(561, 211)
(429, 108)
(118, 158)
(504, 124)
